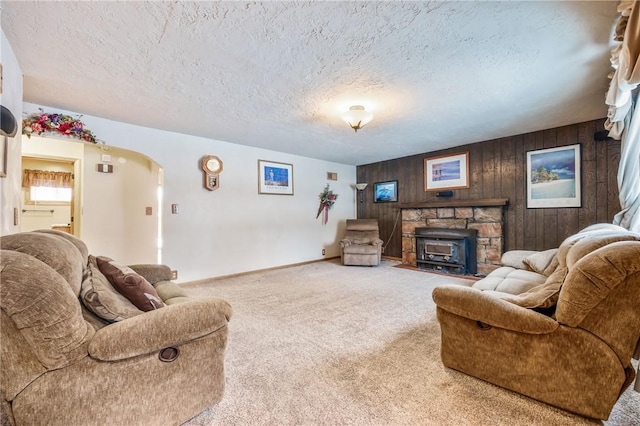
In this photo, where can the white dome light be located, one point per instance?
(357, 117)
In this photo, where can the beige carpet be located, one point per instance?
(324, 344)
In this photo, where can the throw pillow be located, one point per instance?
(131, 285)
(515, 258)
(98, 296)
(544, 262)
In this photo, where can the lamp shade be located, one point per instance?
(357, 117)
(361, 186)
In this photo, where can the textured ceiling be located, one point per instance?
(277, 75)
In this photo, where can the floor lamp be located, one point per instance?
(360, 187)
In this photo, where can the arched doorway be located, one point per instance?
(116, 197)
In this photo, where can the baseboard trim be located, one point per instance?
(255, 271)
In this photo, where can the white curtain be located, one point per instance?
(629, 174)
(622, 122)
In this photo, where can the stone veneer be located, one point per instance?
(487, 220)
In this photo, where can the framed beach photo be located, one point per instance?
(385, 192)
(553, 177)
(446, 172)
(275, 178)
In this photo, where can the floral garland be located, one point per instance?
(41, 122)
(327, 199)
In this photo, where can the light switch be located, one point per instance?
(149, 211)
(105, 168)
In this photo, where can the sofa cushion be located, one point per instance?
(58, 253)
(44, 309)
(367, 249)
(101, 298)
(542, 296)
(80, 245)
(509, 280)
(543, 262)
(170, 292)
(131, 285)
(362, 225)
(594, 277)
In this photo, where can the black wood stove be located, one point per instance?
(451, 251)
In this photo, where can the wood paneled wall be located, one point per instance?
(497, 169)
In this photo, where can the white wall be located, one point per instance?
(11, 98)
(233, 229)
(115, 223)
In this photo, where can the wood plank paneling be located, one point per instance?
(497, 169)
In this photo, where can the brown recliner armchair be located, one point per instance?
(361, 244)
(567, 342)
(64, 365)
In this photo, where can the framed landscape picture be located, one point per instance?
(553, 177)
(446, 172)
(275, 178)
(385, 192)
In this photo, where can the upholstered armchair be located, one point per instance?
(76, 352)
(361, 244)
(567, 342)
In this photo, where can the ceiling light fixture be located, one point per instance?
(357, 117)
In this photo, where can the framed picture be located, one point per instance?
(446, 172)
(385, 192)
(553, 177)
(4, 142)
(275, 178)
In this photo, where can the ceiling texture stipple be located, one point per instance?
(278, 75)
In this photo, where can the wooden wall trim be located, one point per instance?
(492, 202)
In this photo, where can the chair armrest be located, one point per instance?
(153, 273)
(475, 305)
(345, 243)
(377, 242)
(154, 330)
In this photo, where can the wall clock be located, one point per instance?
(212, 167)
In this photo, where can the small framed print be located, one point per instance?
(446, 172)
(385, 192)
(275, 178)
(553, 177)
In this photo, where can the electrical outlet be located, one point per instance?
(323, 252)
(174, 274)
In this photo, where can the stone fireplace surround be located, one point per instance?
(486, 216)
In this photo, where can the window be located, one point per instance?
(43, 194)
(47, 187)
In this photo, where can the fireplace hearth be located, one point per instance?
(486, 216)
(451, 251)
